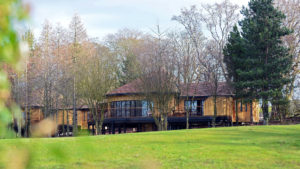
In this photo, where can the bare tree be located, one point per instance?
(190, 46)
(186, 60)
(29, 38)
(213, 74)
(97, 76)
(219, 19)
(157, 81)
(291, 9)
(47, 67)
(64, 80)
(190, 19)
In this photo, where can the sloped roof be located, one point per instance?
(194, 89)
(129, 88)
(205, 89)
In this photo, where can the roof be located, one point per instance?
(129, 88)
(205, 89)
(195, 89)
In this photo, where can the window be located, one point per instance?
(131, 108)
(195, 107)
(145, 108)
(190, 106)
(123, 107)
(113, 109)
(127, 108)
(118, 109)
(138, 108)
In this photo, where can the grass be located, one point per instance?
(230, 147)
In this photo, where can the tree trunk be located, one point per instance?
(266, 112)
(188, 111)
(28, 124)
(19, 117)
(157, 121)
(162, 122)
(63, 122)
(74, 108)
(187, 119)
(236, 113)
(165, 122)
(27, 112)
(98, 130)
(68, 129)
(215, 111)
(251, 112)
(101, 120)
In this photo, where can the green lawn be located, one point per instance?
(230, 147)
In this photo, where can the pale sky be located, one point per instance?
(102, 17)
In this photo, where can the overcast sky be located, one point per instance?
(102, 17)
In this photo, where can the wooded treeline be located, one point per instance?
(66, 69)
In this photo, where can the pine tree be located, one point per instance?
(256, 59)
(233, 58)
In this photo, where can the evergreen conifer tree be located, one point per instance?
(256, 59)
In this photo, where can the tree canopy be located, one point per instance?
(256, 58)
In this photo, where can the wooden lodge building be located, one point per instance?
(127, 110)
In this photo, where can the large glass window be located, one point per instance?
(123, 107)
(190, 105)
(127, 108)
(145, 108)
(138, 108)
(132, 108)
(195, 107)
(113, 109)
(119, 109)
